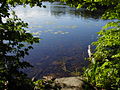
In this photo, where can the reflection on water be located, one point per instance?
(65, 34)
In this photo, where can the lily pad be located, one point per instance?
(60, 32)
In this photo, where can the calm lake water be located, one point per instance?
(65, 34)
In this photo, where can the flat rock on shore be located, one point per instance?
(72, 83)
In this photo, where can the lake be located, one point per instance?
(65, 34)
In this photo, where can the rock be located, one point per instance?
(72, 83)
(48, 77)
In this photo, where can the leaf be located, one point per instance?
(79, 6)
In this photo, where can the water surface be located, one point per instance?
(65, 34)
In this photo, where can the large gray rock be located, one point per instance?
(72, 83)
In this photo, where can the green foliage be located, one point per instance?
(105, 75)
(107, 56)
(15, 43)
(46, 85)
(104, 69)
